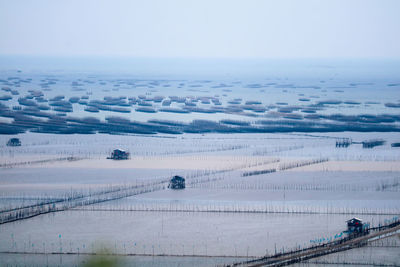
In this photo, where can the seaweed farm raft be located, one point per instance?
(345, 142)
(373, 143)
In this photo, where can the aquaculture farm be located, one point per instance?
(268, 167)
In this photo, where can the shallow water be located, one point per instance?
(346, 87)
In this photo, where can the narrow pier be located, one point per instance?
(284, 259)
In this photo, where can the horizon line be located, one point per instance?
(77, 56)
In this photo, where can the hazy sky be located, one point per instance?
(203, 28)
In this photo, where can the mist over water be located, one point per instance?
(313, 68)
(253, 94)
(199, 133)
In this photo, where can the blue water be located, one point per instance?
(361, 86)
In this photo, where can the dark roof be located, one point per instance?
(119, 150)
(176, 177)
(355, 219)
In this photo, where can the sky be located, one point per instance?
(201, 29)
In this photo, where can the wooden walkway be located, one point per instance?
(288, 258)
